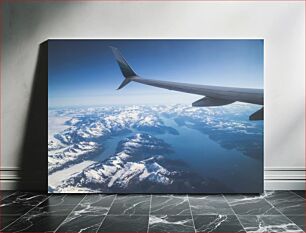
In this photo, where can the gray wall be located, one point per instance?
(26, 25)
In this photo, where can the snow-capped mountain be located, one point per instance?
(138, 166)
(136, 161)
(83, 138)
(134, 148)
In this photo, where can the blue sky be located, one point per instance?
(84, 72)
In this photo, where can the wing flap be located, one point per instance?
(258, 115)
(210, 102)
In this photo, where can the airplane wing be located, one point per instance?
(214, 95)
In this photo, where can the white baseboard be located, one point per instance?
(284, 178)
(284, 184)
(9, 178)
(276, 178)
(8, 185)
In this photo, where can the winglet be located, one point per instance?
(126, 70)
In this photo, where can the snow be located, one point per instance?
(57, 178)
(123, 168)
(76, 135)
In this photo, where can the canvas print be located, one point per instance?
(155, 116)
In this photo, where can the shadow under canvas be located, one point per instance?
(33, 165)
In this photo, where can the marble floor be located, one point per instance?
(273, 211)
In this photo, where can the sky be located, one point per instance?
(84, 72)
